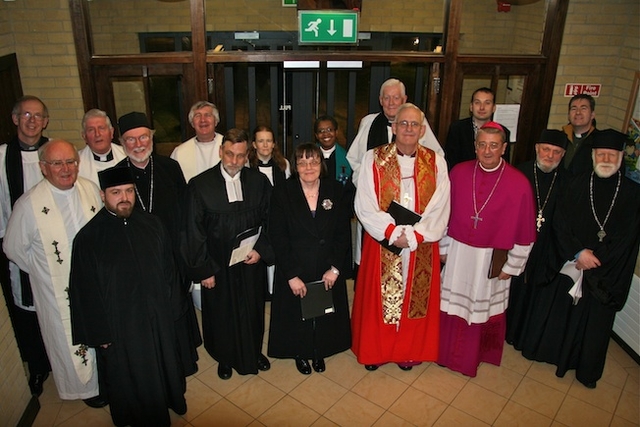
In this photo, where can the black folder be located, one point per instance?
(402, 216)
(317, 302)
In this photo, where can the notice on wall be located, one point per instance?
(507, 115)
(573, 89)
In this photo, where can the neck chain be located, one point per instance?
(311, 195)
(477, 211)
(602, 234)
(142, 205)
(540, 219)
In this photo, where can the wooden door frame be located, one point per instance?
(537, 96)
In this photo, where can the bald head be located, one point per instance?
(59, 163)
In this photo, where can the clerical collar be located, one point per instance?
(233, 185)
(206, 142)
(327, 153)
(263, 162)
(103, 157)
(27, 147)
(578, 135)
(400, 153)
(491, 170)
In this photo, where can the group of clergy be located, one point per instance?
(542, 255)
(113, 249)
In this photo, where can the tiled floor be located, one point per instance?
(518, 393)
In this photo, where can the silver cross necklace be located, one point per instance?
(540, 219)
(602, 234)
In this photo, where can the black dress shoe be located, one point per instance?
(224, 371)
(318, 365)
(36, 383)
(371, 367)
(96, 402)
(263, 363)
(303, 366)
(405, 367)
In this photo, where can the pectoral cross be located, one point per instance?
(601, 235)
(539, 220)
(475, 220)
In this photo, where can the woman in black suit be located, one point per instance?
(309, 227)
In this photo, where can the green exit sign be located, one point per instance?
(289, 3)
(327, 27)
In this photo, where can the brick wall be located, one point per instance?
(43, 39)
(596, 48)
(14, 391)
(600, 45)
(485, 30)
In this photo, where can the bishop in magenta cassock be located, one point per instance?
(492, 208)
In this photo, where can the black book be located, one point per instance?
(317, 302)
(402, 216)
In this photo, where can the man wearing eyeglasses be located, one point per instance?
(395, 309)
(19, 171)
(222, 203)
(159, 188)
(375, 130)
(99, 153)
(38, 239)
(490, 235)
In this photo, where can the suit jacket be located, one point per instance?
(460, 143)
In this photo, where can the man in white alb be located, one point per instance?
(38, 239)
(201, 152)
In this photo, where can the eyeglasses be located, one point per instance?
(492, 146)
(27, 115)
(326, 130)
(311, 163)
(59, 164)
(406, 124)
(142, 138)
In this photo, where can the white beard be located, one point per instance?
(605, 170)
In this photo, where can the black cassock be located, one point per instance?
(167, 202)
(530, 297)
(306, 246)
(233, 310)
(578, 336)
(121, 286)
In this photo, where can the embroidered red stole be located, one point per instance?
(387, 178)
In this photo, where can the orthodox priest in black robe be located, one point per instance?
(530, 296)
(160, 190)
(223, 202)
(121, 286)
(597, 225)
